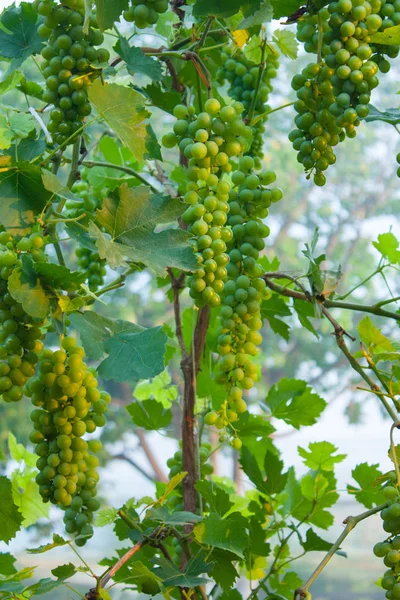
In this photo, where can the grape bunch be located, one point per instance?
(20, 334)
(145, 12)
(68, 62)
(175, 466)
(89, 260)
(242, 76)
(239, 332)
(68, 406)
(209, 141)
(389, 550)
(333, 95)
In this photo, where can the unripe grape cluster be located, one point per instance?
(389, 550)
(69, 56)
(145, 12)
(333, 95)
(20, 334)
(68, 405)
(175, 466)
(239, 333)
(209, 141)
(242, 76)
(89, 260)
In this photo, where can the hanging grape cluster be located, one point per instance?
(145, 12)
(67, 66)
(68, 406)
(389, 550)
(20, 334)
(333, 94)
(89, 260)
(242, 76)
(209, 141)
(239, 333)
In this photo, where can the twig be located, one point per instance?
(94, 163)
(393, 451)
(134, 465)
(177, 283)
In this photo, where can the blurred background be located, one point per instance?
(360, 200)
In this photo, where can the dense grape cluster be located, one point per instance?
(68, 405)
(20, 334)
(89, 260)
(176, 466)
(145, 12)
(389, 550)
(239, 333)
(209, 141)
(67, 66)
(242, 76)
(333, 95)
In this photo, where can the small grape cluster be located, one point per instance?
(89, 260)
(145, 12)
(333, 94)
(175, 466)
(68, 405)
(398, 162)
(209, 141)
(239, 333)
(389, 550)
(242, 76)
(67, 66)
(20, 334)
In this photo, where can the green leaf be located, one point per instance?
(258, 17)
(286, 42)
(64, 571)
(22, 197)
(369, 492)
(252, 469)
(134, 356)
(95, 330)
(28, 148)
(7, 564)
(44, 586)
(227, 534)
(285, 8)
(171, 576)
(107, 13)
(27, 498)
(106, 517)
(216, 8)
(152, 145)
(313, 543)
(179, 517)
(389, 37)
(224, 572)
(57, 541)
(164, 99)
(25, 287)
(293, 401)
(11, 518)
(272, 308)
(18, 37)
(252, 428)
(165, 24)
(137, 61)
(275, 478)
(391, 115)
(131, 219)
(52, 184)
(10, 82)
(387, 245)
(18, 452)
(59, 277)
(304, 311)
(113, 253)
(320, 455)
(373, 338)
(122, 108)
(216, 497)
(149, 414)
(159, 388)
(252, 50)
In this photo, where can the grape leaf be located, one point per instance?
(272, 308)
(59, 277)
(388, 245)
(272, 480)
(217, 8)
(18, 37)
(373, 338)
(224, 572)
(179, 517)
(57, 541)
(258, 17)
(28, 148)
(10, 82)
(122, 108)
(22, 197)
(304, 311)
(7, 564)
(44, 586)
(252, 49)
(320, 455)
(131, 219)
(227, 534)
(52, 184)
(301, 508)
(106, 516)
(149, 414)
(64, 571)
(27, 498)
(293, 401)
(285, 8)
(389, 37)
(137, 61)
(216, 497)
(166, 100)
(108, 13)
(369, 492)
(286, 42)
(313, 543)
(18, 452)
(134, 356)
(25, 287)
(171, 576)
(11, 518)
(391, 115)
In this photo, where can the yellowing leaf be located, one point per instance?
(172, 484)
(241, 36)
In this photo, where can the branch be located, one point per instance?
(177, 284)
(351, 523)
(159, 475)
(93, 163)
(134, 465)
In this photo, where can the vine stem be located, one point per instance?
(261, 70)
(269, 112)
(94, 163)
(393, 451)
(351, 523)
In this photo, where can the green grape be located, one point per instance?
(67, 465)
(69, 56)
(389, 550)
(242, 76)
(333, 94)
(145, 12)
(209, 141)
